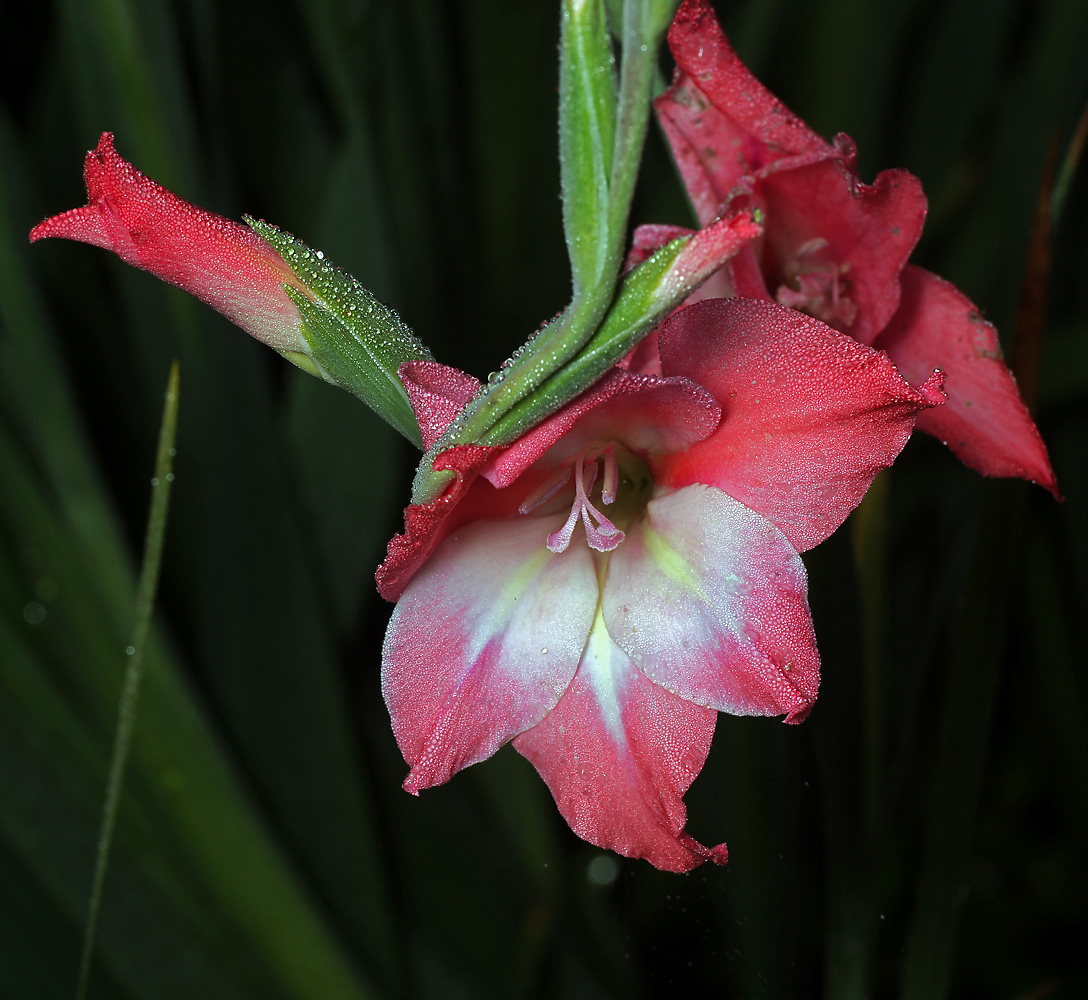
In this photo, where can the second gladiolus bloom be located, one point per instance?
(837, 248)
(598, 591)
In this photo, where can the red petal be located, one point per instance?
(709, 600)
(809, 415)
(483, 643)
(425, 525)
(223, 264)
(437, 393)
(985, 422)
(746, 276)
(618, 752)
(650, 415)
(721, 122)
(870, 229)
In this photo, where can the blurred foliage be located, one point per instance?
(921, 835)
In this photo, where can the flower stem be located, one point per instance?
(644, 24)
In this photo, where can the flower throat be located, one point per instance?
(624, 486)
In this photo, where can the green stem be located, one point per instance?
(126, 712)
(643, 27)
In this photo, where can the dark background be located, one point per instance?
(922, 835)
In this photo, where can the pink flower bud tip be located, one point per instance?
(218, 261)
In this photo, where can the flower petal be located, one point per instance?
(483, 643)
(709, 601)
(869, 230)
(223, 264)
(425, 525)
(985, 422)
(618, 753)
(650, 415)
(721, 122)
(437, 393)
(809, 415)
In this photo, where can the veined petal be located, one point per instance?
(223, 264)
(618, 752)
(810, 416)
(985, 422)
(483, 643)
(710, 601)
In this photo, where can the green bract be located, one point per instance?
(355, 341)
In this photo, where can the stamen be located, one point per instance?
(603, 536)
(546, 490)
(817, 287)
(606, 536)
(611, 476)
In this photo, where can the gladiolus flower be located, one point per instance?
(836, 248)
(225, 265)
(597, 591)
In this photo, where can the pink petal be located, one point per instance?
(870, 230)
(647, 413)
(709, 601)
(223, 264)
(721, 122)
(425, 525)
(437, 393)
(985, 422)
(650, 415)
(483, 643)
(809, 415)
(618, 753)
(746, 276)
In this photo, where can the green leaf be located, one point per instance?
(355, 341)
(647, 295)
(126, 721)
(587, 133)
(598, 241)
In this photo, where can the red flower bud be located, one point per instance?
(218, 261)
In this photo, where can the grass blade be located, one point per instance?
(126, 714)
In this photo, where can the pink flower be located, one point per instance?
(837, 248)
(599, 590)
(223, 264)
